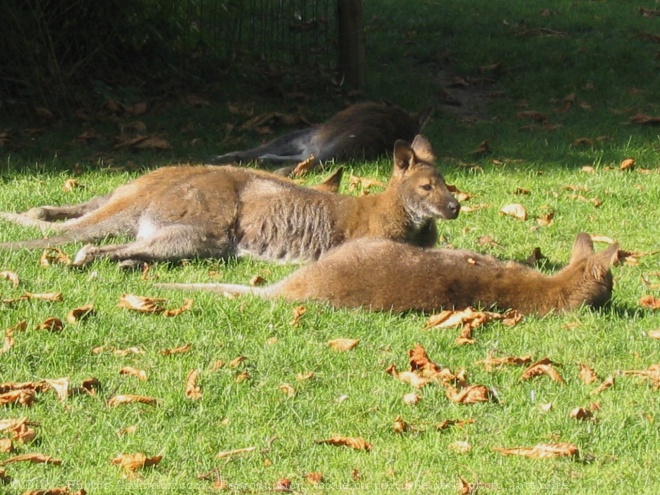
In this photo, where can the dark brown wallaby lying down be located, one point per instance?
(213, 212)
(361, 131)
(383, 275)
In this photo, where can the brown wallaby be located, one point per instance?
(213, 212)
(364, 130)
(383, 275)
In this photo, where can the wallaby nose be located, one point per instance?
(454, 207)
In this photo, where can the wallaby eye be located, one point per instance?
(426, 187)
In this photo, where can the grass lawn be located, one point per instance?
(554, 98)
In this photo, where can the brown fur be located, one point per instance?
(383, 275)
(205, 211)
(361, 131)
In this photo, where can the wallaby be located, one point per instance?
(383, 275)
(364, 130)
(182, 212)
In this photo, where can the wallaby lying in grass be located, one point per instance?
(383, 275)
(213, 212)
(363, 130)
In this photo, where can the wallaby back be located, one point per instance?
(382, 275)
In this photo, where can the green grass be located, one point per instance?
(350, 394)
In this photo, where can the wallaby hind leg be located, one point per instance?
(54, 213)
(170, 243)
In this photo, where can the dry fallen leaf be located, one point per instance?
(141, 303)
(61, 387)
(468, 395)
(627, 164)
(654, 334)
(542, 450)
(459, 423)
(22, 397)
(491, 361)
(304, 166)
(6, 446)
(460, 447)
(118, 400)
(411, 399)
(236, 361)
(409, 377)
(287, 390)
(649, 302)
(356, 443)
(230, 453)
(131, 371)
(419, 360)
(11, 276)
(187, 304)
(78, 314)
(176, 350)
(542, 367)
(581, 413)
(4, 478)
(514, 210)
(533, 115)
(314, 478)
(33, 458)
(193, 392)
(61, 490)
(47, 296)
(298, 313)
(133, 462)
(343, 345)
(587, 375)
(51, 324)
(607, 383)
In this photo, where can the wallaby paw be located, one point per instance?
(132, 265)
(37, 213)
(85, 256)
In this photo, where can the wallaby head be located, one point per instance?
(421, 186)
(592, 282)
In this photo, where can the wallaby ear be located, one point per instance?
(404, 156)
(422, 149)
(423, 117)
(601, 262)
(583, 247)
(332, 183)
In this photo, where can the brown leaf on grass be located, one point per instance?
(546, 219)
(62, 490)
(343, 345)
(287, 390)
(141, 303)
(119, 400)
(52, 324)
(71, 184)
(652, 373)
(193, 392)
(6, 445)
(514, 210)
(9, 335)
(231, 453)
(282, 486)
(187, 304)
(594, 201)
(468, 395)
(490, 362)
(468, 316)
(482, 149)
(307, 375)
(131, 371)
(458, 423)
(363, 183)
(465, 488)
(654, 334)
(47, 296)
(257, 281)
(314, 478)
(542, 367)
(11, 276)
(533, 115)
(581, 413)
(587, 375)
(356, 443)
(460, 196)
(236, 361)
(142, 142)
(61, 387)
(91, 385)
(133, 462)
(471, 208)
(411, 399)
(22, 397)
(419, 360)
(649, 302)
(81, 313)
(643, 119)
(33, 458)
(37, 386)
(298, 313)
(242, 377)
(460, 447)
(409, 377)
(607, 383)
(627, 164)
(303, 167)
(176, 350)
(542, 450)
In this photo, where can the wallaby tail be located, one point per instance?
(293, 146)
(225, 289)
